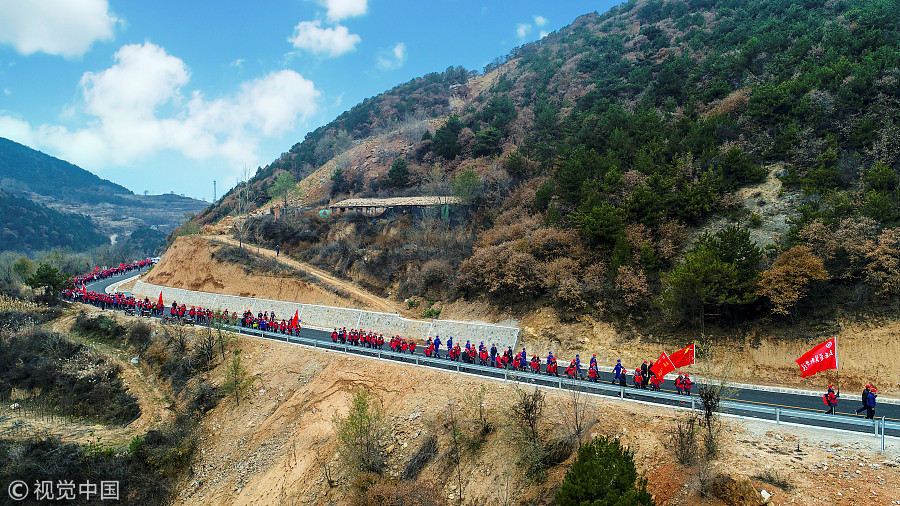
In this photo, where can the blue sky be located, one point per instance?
(169, 96)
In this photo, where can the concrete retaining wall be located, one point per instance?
(327, 317)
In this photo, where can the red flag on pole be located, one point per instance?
(821, 358)
(295, 320)
(83, 289)
(662, 366)
(160, 298)
(683, 357)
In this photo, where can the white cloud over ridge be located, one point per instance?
(327, 42)
(392, 58)
(522, 30)
(343, 9)
(136, 109)
(65, 28)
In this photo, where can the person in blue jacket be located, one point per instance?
(523, 357)
(618, 370)
(577, 365)
(870, 403)
(437, 346)
(449, 344)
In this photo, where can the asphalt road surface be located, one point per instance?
(757, 403)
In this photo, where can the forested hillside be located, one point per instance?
(28, 227)
(593, 161)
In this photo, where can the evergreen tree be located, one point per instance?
(398, 175)
(445, 138)
(603, 474)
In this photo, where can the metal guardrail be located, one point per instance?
(692, 402)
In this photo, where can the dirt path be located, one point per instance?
(377, 303)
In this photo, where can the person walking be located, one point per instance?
(277, 249)
(645, 375)
(686, 384)
(870, 404)
(830, 399)
(865, 399)
(617, 370)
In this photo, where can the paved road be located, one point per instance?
(765, 400)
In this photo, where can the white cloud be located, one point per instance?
(522, 30)
(239, 63)
(392, 58)
(343, 9)
(136, 109)
(58, 27)
(543, 34)
(540, 20)
(329, 42)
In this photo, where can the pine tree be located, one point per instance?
(603, 474)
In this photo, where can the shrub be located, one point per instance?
(382, 492)
(362, 434)
(785, 283)
(102, 327)
(603, 473)
(683, 439)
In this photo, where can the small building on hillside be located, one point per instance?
(377, 207)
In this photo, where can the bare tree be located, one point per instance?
(243, 202)
(577, 417)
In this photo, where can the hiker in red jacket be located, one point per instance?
(830, 399)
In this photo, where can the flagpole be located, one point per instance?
(837, 365)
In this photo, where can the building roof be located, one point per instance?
(397, 201)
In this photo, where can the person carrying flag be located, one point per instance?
(830, 398)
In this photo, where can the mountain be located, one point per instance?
(29, 227)
(675, 161)
(67, 188)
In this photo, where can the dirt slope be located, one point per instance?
(271, 448)
(371, 301)
(189, 264)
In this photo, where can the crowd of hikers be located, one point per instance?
(100, 273)
(642, 377)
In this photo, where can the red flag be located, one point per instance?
(160, 298)
(821, 358)
(96, 269)
(683, 357)
(83, 289)
(295, 320)
(662, 366)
